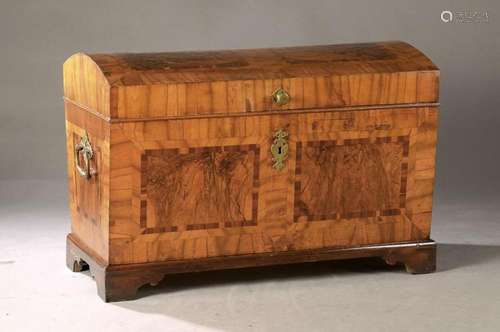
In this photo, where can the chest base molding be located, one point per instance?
(121, 282)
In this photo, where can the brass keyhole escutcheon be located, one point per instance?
(279, 149)
(281, 97)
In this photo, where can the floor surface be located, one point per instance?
(38, 292)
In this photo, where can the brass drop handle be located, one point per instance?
(279, 149)
(281, 97)
(84, 147)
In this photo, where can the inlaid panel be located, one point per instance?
(352, 178)
(199, 188)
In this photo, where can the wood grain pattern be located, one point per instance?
(88, 191)
(351, 179)
(261, 64)
(89, 199)
(199, 188)
(86, 86)
(182, 147)
(233, 97)
(122, 282)
(392, 145)
(157, 85)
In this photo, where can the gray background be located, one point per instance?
(37, 36)
(38, 293)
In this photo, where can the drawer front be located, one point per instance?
(193, 188)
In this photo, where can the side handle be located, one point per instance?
(84, 149)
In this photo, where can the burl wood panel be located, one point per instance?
(199, 188)
(164, 85)
(350, 179)
(392, 149)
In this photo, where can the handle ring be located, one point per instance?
(84, 147)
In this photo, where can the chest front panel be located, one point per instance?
(203, 187)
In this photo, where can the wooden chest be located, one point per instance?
(193, 161)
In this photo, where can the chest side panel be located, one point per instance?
(193, 188)
(89, 197)
(86, 85)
